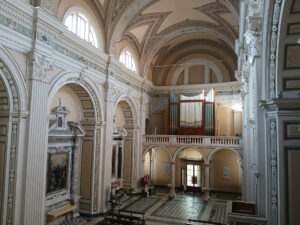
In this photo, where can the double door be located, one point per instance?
(191, 176)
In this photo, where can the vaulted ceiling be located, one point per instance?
(162, 32)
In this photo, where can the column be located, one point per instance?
(36, 158)
(206, 181)
(172, 185)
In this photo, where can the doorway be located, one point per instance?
(193, 178)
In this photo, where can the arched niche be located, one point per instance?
(225, 170)
(82, 102)
(124, 130)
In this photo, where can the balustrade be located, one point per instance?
(194, 140)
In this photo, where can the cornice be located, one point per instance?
(277, 104)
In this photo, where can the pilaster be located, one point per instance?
(37, 140)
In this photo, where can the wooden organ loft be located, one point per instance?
(192, 113)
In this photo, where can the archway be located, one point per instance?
(13, 100)
(189, 167)
(74, 111)
(123, 159)
(157, 161)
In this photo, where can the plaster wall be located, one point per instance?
(68, 100)
(221, 159)
(162, 158)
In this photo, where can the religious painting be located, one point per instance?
(57, 178)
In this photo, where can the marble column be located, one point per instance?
(172, 185)
(206, 181)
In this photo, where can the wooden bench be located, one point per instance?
(60, 211)
(140, 221)
(119, 221)
(126, 217)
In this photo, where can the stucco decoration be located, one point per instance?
(51, 6)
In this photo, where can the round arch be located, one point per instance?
(176, 33)
(14, 82)
(211, 154)
(185, 147)
(156, 146)
(131, 104)
(68, 77)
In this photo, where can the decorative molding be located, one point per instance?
(292, 56)
(293, 28)
(273, 47)
(292, 130)
(13, 89)
(12, 178)
(295, 7)
(51, 6)
(291, 83)
(274, 171)
(41, 66)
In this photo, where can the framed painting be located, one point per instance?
(58, 168)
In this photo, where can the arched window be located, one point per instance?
(79, 23)
(127, 59)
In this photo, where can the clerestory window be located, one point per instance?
(127, 59)
(79, 23)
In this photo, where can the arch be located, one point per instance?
(131, 104)
(70, 78)
(211, 154)
(157, 146)
(197, 61)
(162, 42)
(184, 147)
(14, 81)
(13, 109)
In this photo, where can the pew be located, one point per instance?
(52, 215)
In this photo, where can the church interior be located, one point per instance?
(149, 112)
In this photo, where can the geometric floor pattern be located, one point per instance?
(160, 210)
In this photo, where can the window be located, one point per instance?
(79, 23)
(127, 59)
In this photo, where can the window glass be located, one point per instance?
(79, 24)
(127, 59)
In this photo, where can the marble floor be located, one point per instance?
(160, 210)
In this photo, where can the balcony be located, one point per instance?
(213, 141)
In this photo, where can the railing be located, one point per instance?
(194, 140)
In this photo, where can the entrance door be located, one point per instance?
(193, 178)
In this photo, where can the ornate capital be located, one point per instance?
(51, 6)
(41, 66)
(253, 37)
